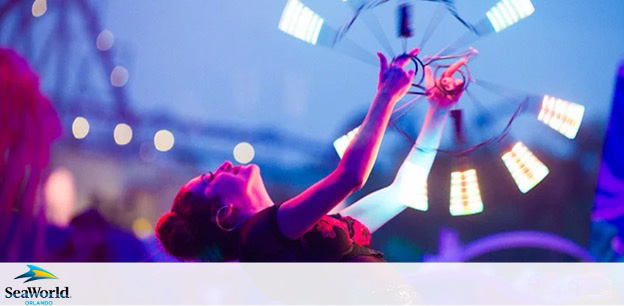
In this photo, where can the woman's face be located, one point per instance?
(239, 186)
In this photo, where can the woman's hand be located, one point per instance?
(446, 91)
(393, 80)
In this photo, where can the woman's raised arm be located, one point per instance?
(379, 207)
(300, 213)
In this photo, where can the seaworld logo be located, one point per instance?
(37, 273)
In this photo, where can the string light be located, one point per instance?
(163, 140)
(119, 76)
(413, 187)
(39, 7)
(341, 144)
(562, 116)
(80, 127)
(301, 22)
(105, 40)
(465, 193)
(508, 12)
(122, 134)
(526, 170)
(244, 152)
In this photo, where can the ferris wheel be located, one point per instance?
(526, 169)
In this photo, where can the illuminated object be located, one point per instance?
(341, 144)
(525, 168)
(60, 197)
(80, 127)
(413, 187)
(105, 40)
(163, 140)
(508, 12)
(122, 134)
(465, 194)
(119, 76)
(142, 228)
(39, 7)
(301, 22)
(562, 116)
(244, 152)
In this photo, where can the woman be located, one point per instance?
(228, 215)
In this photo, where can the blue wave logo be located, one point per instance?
(36, 273)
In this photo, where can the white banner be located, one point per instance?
(311, 283)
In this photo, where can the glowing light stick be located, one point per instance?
(508, 12)
(301, 22)
(526, 170)
(562, 116)
(465, 194)
(343, 142)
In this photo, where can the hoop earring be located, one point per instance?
(219, 222)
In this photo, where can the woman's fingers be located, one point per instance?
(414, 52)
(383, 62)
(402, 60)
(454, 67)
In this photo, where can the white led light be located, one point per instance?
(301, 22)
(244, 152)
(562, 116)
(163, 140)
(80, 127)
(508, 12)
(413, 187)
(525, 168)
(122, 134)
(465, 194)
(341, 144)
(39, 7)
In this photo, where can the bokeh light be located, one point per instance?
(39, 7)
(163, 140)
(244, 152)
(119, 76)
(105, 40)
(80, 127)
(122, 134)
(142, 228)
(60, 196)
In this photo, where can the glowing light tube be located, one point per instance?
(465, 194)
(508, 12)
(300, 22)
(413, 187)
(343, 142)
(562, 116)
(525, 168)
